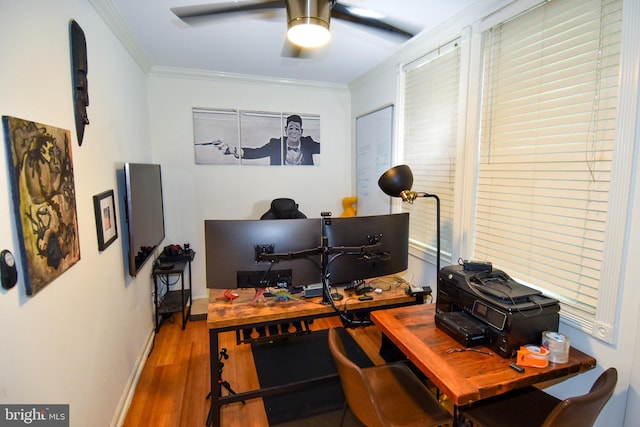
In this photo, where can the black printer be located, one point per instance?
(483, 305)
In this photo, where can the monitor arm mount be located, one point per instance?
(265, 253)
(365, 251)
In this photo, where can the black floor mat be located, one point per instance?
(300, 358)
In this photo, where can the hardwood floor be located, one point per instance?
(174, 383)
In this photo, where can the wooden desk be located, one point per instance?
(464, 377)
(240, 314)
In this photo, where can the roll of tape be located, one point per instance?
(533, 355)
(558, 346)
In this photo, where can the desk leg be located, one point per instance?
(155, 302)
(184, 303)
(190, 292)
(214, 410)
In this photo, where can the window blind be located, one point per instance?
(431, 86)
(548, 127)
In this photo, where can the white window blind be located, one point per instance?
(430, 107)
(548, 128)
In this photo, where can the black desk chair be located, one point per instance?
(283, 208)
(386, 395)
(532, 407)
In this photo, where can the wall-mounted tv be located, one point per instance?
(145, 212)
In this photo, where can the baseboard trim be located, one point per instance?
(199, 309)
(130, 389)
(198, 317)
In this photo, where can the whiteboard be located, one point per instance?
(374, 137)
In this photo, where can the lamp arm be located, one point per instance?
(433, 196)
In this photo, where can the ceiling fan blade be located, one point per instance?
(290, 50)
(340, 11)
(201, 10)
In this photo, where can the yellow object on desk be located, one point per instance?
(349, 206)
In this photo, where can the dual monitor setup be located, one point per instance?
(282, 253)
(294, 253)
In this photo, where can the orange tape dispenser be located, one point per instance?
(533, 355)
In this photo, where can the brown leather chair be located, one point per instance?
(531, 407)
(386, 395)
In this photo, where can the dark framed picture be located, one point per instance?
(105, 211)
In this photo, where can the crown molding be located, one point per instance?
(111, 17)
(193, 74)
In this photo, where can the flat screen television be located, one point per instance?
(145, 212)
(232, 249)
(384, 240)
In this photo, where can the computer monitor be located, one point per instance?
(384, 243)
(233, 248)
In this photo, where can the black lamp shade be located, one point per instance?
(396, 180)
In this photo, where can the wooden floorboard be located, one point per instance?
(174, 383)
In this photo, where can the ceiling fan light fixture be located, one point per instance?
(308, 34)
(308, 22)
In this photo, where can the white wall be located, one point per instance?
(79, 340)
(82, 339)
(199, 192)
(378, 87)
(76, 341)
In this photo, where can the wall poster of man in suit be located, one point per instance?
(233, 137)
(44, 201)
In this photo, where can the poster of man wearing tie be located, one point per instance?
(224, 137)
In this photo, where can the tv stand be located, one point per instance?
(173, 300)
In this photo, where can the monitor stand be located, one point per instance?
(327, 296)
(336, 296)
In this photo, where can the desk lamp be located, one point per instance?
(397, 182)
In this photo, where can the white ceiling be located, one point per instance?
(252, 43)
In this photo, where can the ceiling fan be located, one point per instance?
(307, 20)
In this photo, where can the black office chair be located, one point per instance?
(532, 407)
(283, 208)
(386, 395)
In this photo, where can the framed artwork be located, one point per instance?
(235, 137)
(44, 199)
(104, 209)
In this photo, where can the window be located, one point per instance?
(429, 134)
(547, 148)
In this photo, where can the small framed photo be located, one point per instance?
(105, 211)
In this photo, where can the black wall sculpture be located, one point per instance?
(79, 75)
